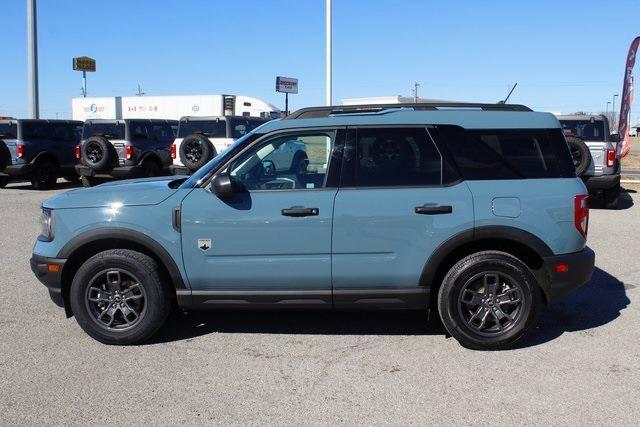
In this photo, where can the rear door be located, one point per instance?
(396, 205)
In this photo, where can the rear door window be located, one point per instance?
(108, 130)
(62, 132)
(8, 130)
(138, 130)
(208, 128)
(387, 157)
(36, 130)
(507, 153)
(585, 129)
(161, 132)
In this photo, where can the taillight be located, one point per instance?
(77, 151)
(611, 158)
(173, 151)
(581, 213)
(128, 152)
(20, 150)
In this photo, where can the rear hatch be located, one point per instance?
(594, 133)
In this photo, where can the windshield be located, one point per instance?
(109, 130)
(8, 130)
(220, 158)
(585, 129)
(209, 128)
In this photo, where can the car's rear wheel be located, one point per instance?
(196, 150)
(97, 152)
(44, 175)
(119, 297)
(489, 301)
(151, 168)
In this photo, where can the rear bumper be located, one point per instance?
(601, 182)
(117, 172)
(50, 276)
(580, 268)
(17, 170)
(179, 170)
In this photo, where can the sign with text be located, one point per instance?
(286, 85)
(84, 63)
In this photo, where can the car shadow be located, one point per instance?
(595, 304)
(27, 186)
(625, 201)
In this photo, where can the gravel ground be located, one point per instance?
(581, 366)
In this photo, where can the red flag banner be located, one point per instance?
(627, 98)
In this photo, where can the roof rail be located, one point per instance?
(316, 112)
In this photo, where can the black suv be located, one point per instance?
(127, 148)
(38, 150)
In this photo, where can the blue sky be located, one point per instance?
(565, 55)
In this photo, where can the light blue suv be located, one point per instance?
(473, 210)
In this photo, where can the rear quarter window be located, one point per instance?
(490, 154)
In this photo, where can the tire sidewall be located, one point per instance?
(208, 151)
(155, 303)
(107, 150)
(463, 271)
(39, 181)
(581, 146)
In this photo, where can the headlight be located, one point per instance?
(46, 225)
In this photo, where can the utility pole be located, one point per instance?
(416, 85)
(32, 60)
(613, 112)
(606, 111)
(140, 92)
(328, 60)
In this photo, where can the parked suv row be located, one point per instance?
(473, 211)
(38, 150)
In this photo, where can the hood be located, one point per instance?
(133, 192)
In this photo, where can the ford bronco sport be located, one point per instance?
(473, 211)
(200, 139)
(38, 150)
(593, 149)
(124, 149)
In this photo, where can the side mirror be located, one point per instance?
(269, 168)
(615, 137)
(222, 186)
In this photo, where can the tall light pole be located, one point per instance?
(32, 60)
(606, 110)
(613, 111)
(328, 62)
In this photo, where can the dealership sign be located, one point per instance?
(286, 85)
(84, 63)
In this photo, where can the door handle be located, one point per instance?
(433, 210)
(297, 212)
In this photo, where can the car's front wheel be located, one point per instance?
(119, 297)
(489, 301)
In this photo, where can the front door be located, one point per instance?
(271, 242)
(396, 206)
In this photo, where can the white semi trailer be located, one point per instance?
(170, 107)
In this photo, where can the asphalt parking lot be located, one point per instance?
(582, 365)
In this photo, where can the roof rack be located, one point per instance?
(316, 112)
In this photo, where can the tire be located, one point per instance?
(131, 315)
(44, 175)
(151, 168)
(4, 180)
(612, 197)
(299, 163)
(462, 307)
(97, 153)
(195, 151)
(88, 181)
(580, 154)
(72, 178)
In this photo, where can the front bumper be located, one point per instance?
(49, 272)
(120, 172)
(17, 170)
(601, 182)
(579, 269)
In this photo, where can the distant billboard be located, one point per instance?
(286, 84)
(84, 63)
